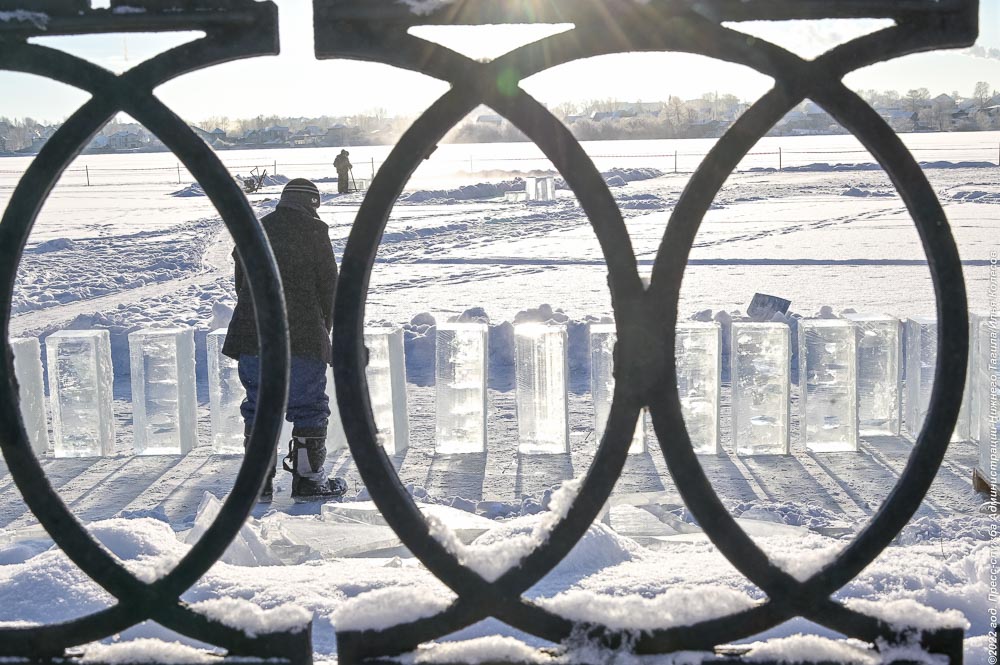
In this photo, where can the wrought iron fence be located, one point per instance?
(377, 30)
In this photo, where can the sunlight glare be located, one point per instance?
(487, 42)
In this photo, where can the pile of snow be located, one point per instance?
(53, 245)
(864, 192)
(619, 177)
(194, 189)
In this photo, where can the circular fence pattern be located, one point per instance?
(650, 378)
(645, 318)
(137, 600)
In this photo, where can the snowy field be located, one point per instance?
(136, 248)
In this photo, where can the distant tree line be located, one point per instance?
(607, 119)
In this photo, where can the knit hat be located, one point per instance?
(300, 190)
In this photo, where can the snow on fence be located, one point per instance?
(850, 385)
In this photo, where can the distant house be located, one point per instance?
(219, 133)
(308, 136)
(99, 142)
(601, 116)
(336, 135)
(943, 101)
(633, 109)
(275, 134)
(126, 140)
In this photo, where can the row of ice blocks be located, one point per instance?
(541, 375)
(977, 418)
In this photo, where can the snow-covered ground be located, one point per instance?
(128, 254)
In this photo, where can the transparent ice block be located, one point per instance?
(698, 353)
(386, 375)
(761, 378)
(31, 391)
(80, 390)
(602, 384)
(986, 376)
(540, 188)
(225, 395)
(335, 437)
(461, 387)
(880, 378)
(164, 407)
(828, 381)
(921, 359)
(541, 372)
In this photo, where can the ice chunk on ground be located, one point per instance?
(541, 398)
(31, 391)
(466, 526)
(828, 400)
(761, 359)
(80, 389)
(304, 537)
(164, 406)
(461, 388)
(247, 549)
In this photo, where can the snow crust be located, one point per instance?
(808, 649)
(253, 620)
(674, 607)
(906, 613)
(137, 652)
(383, 608)
(490, 649)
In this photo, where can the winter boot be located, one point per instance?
(267, 491)
(306, 456)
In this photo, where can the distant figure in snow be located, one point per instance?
(301, 245)
(343, 166)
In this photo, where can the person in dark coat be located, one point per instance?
(301, 245)
(343, 166)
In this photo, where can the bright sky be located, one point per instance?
(296, 84)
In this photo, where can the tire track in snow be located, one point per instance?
(214, 261)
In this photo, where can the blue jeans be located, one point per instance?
(308, 405)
